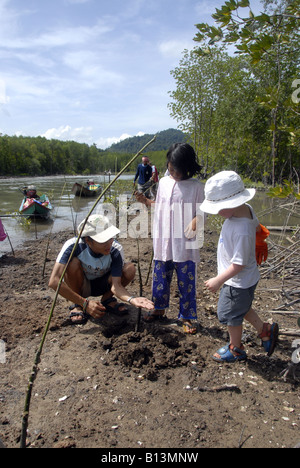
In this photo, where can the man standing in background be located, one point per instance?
(144, 175)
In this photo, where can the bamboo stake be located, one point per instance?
(48, 243)
(141, 286)
(150, 266)
(11, 246)
(290, 332)
(34, 371)
(284, 312)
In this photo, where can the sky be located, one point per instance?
(93, 71)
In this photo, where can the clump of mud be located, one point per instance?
(151, 351)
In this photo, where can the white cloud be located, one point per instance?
(84, 135)
(8, 18)
(88, 68)
(68, 133)
(174, 47)
(104, 143)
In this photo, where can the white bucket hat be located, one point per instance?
(99, 228)
(225, 190)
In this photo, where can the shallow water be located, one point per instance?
(70, 210)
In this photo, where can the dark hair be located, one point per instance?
(184, 160)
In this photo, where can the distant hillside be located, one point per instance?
(164, 140)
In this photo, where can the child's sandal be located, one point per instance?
(271, 332)
(230, 354)
(188, 327)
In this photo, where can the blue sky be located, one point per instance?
(93, 71)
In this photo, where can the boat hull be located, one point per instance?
(81, 191)
(36, 208)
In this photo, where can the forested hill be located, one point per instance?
(163, 142)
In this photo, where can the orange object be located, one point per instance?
(261, 245)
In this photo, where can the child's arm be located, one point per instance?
(214, 284)
(191, 230)
(144, 200)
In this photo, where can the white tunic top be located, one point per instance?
(177, 203)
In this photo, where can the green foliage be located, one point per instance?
(39, 156)
(215, 104)
(241, 112)
(287, 190)
(26, 156)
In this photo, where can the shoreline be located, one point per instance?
(64, 175)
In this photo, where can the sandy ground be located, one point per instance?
(106, 385)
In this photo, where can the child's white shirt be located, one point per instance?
(237, 245)
(177, 203)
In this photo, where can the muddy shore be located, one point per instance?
(104, 385)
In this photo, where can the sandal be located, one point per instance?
(78, 313)
(188, 327)
(150, 317)
(116, 308)
(272, 333)
(230, 354)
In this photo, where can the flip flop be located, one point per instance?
(188, 328)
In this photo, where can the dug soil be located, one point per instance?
(111, 385)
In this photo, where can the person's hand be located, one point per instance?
(191, 230)
(143, 303)
(141, 198)
(213, 284)
(95, 309)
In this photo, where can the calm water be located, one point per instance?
(69, 209)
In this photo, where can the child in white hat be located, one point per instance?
(238, 273)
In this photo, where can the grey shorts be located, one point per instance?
(234, 304)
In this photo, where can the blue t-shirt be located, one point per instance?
(94, 265)
(144, 173)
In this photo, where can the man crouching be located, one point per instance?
(96, 269)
